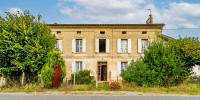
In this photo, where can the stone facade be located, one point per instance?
(112, 57)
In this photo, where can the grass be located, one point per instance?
(185, 88)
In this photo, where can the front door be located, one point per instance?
(102, 71)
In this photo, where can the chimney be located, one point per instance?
(55, 23)
(150, 19)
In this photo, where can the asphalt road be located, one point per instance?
(18, 96)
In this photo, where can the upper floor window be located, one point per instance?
(78, 32)
(58, 32)
(102, 45)
(59, 45)
(79, 45)
(124, 45)
(144, 44)
(144, 32)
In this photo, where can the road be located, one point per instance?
(22, 96)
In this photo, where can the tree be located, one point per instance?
(24, 44)
(164, 63)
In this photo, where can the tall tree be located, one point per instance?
(24, 43)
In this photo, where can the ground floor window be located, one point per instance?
(124, 65)
(79, 66)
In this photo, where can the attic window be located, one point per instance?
(123, 32)
(58, 32)
(102, 32)
(78, 32)
(144, 32)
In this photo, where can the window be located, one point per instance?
(144, 44)
(79, 44)
(144, 32)
(102, 45)
(59, 45)
(123, 32)
(123, 65)
(79, 66)
(102, 32)
(124, 45)
(58, 32)
(78, 32)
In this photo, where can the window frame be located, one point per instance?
(144, 46)
(79, 66)
(79, 45)
(124, 47)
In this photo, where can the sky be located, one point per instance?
(181, 17)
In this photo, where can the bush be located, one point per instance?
(159, 66)
(50, 72)
(82, 77)
(113, 85)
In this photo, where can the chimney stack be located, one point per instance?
(55, 23)
(150, 19)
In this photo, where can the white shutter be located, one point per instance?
(60, 45)
(84, 45)
(118, 68)
(119, 45)
(195, 70)
(73, 45)
(83, 64)
(149, 41)
(97, 45)
(129, 63)
(139, 46)
(107, 45)
(129, 45)
(73, 67)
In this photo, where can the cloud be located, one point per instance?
(15, 10)
(174, 15)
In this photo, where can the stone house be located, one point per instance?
(104, 49)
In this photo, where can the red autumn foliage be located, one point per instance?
(113, 85)
(56, 80)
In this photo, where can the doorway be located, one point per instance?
(102, 71)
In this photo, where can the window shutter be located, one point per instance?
(195, 70)
(60, 45)
(97, 45)
(129, 45)
(73, 67)
(139, 46)
(149, 41)
(119, 45)
(107, 45)
(84, 45)
(118, 68)
(84, 65)
(73, 46)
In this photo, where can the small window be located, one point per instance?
(123, 32)
(124, 65)
(79, 66)
(58, 32)
(102, 32)
(78, 32)
(102, 45)
(144, 32)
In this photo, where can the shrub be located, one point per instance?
(50, 72)
(113, 85)
(82, 77)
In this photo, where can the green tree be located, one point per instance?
(24, 43)
(164, 63)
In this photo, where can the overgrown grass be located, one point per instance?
(185, 88)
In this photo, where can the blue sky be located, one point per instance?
(182, 17)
